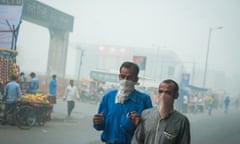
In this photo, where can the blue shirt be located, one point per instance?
(53, 87)
(12, 92)
(117, 127)
(33, 85)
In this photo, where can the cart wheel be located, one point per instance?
(25, 117)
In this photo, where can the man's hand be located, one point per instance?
(20, 99)
(134, 117)
(98, 118)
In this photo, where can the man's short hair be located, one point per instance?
(32, 74)
(54, 76)
(131, 65)
(14, 77)
(168, 81)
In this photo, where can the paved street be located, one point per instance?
(81, 110)
(216, 129)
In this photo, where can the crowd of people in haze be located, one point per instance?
(187, 102)
(128, 114)
(205, 102)
(12, 92)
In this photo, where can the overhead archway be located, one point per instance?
(59, 25)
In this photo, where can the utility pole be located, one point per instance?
(80, 63)
(208, 47)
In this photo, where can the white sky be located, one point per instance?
(178, 25)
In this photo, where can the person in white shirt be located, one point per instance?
(71, 93)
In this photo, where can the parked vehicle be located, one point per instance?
(20, 114)
(42, 112)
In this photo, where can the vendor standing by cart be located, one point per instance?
(53, 89)
(12, 93)
(23, 82)
(33, 84)
(52, 98)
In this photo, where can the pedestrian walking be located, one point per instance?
(70, 95)
(210, 104)
(195, 99)
(185, 104)
(226, 104)
(120, 109)
(163, 124)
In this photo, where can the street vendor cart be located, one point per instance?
(41, 106)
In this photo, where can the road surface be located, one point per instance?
(219, 128)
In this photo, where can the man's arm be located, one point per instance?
(77, 93)
(5, 93)
(19, 92)
(65, 93)
(148, 102)
(185, 137)
(99, 118)
(138, 137)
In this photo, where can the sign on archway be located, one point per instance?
(59, 25)
(10, 18)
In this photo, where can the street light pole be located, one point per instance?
(80, 64)
(208, 47)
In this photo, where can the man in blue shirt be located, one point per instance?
(53, 89)
(12, 93)
(34, 84)
(119, 111)
(12, 90)
(52, 92)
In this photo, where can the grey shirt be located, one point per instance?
(175, 129)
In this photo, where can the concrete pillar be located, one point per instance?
(57, 56)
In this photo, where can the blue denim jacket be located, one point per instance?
(33, 85)
(53, 87)
(12, 92)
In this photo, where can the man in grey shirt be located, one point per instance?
(163, 124)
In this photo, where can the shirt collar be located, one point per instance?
(132, 96)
